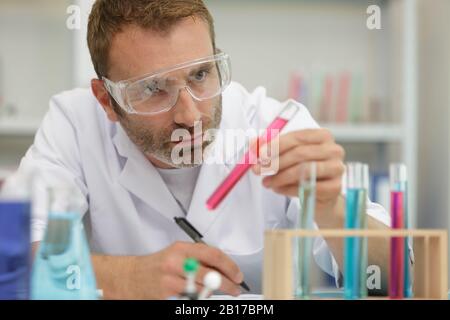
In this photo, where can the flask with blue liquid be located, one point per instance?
(15, 250)
(62, 269)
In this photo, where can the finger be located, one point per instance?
(288, 190)
(309, 153)
(227, 286)
(297, 150)
(328, 189)
(216, 259)
(172, 285)
(303, 137)
(325, 190)
(324, 170)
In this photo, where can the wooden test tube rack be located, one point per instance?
(430, 265)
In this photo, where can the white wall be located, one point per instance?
(83, 70)
(35, 59)
(35, 53)
(434, 115)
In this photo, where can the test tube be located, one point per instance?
(307, 197)
(281, 120)
(402, 186)
(355, 249)
(398, 180)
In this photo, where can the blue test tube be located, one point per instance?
(355, 248)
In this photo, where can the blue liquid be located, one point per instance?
(62, 269)
(14, 250)
(306, 221)
(355, 250)
(407, 286)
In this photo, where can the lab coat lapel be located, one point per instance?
(217, 165)
(211, 175)
(141, 178)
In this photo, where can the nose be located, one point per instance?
(186, 112)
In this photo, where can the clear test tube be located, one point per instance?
(398, 185)
(355, 248)
(307, 197)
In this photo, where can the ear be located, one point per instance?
(99, 91)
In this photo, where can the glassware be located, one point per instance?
(62, 269)
(399, 275)
(307, 197)
(15, 249)
(355, 255)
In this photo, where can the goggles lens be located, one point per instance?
(204, 79)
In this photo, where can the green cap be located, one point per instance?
(190, 265)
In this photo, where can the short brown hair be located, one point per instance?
(108, 17)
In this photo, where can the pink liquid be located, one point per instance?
(242, 167)
(396, 276)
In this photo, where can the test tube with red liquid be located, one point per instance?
(397, 173)
(288, 112)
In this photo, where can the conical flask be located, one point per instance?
(62, 269)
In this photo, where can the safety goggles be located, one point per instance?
(204, 79)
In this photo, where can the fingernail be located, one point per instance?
(236, 292)
(240, 277)
(264, 161)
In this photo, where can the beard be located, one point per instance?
(158, 143)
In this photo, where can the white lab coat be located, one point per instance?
(127, 208)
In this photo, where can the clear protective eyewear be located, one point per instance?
(155, 93)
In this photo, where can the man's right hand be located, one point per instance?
(160, 275)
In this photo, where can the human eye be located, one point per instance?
(201, 74)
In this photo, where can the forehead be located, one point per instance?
(136, 51)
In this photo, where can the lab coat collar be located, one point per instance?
(142, 179)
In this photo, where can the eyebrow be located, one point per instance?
(157, 77)
(206, 65)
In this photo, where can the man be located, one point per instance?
(159, 71)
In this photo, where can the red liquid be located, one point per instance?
(396, 276)
(242, 167)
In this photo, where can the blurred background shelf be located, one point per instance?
(268, 41)
(25, 128)
(377, 133)
(311, 46)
